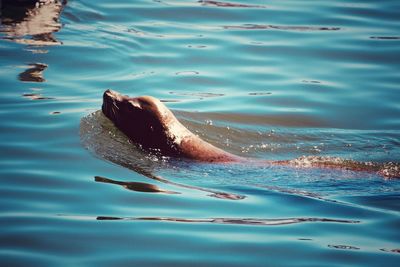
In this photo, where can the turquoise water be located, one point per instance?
(263, 79)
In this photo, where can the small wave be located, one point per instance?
(277, 27)
(260, 94)
(140, 33)
(297, 192)
(170, 100)
(197, 46)
(240, 221)
(190, 72)
(228, 4)
(310, 81)
(201, 95)
(385, 37)
(344, 247)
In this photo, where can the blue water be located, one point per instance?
(261, 79)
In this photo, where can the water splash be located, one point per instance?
(388, 170)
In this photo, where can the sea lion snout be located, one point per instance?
(116, 104)
(113, 98)
(139, 118)
(110, 105)
(111, 95)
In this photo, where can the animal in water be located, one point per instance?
(150, 124)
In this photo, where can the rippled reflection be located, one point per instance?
(31, 22)
(34, 73)
(33, 96)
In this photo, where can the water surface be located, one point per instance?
(265, 79)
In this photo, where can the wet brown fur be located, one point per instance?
(151, 125)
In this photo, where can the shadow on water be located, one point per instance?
(134, 186)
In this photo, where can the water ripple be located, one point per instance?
(244, 221)
(284, 28)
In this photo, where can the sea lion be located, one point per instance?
(149, 123)
(152, 126)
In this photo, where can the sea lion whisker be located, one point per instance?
(115, 105)
(114, 112)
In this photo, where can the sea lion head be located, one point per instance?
(145, 120)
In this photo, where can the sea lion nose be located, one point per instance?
(110, 100)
